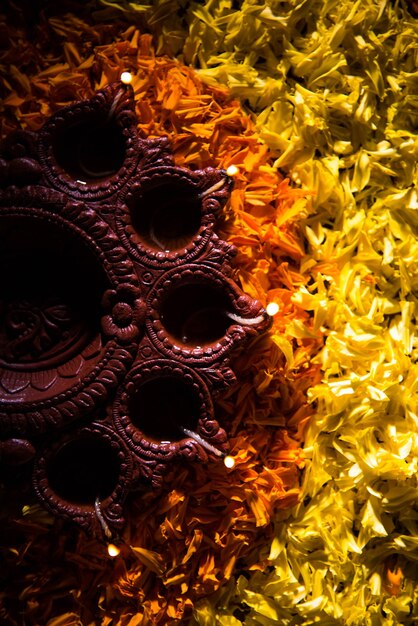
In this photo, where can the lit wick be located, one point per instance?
(245, 321)
(229, 460)
(203, 442)
(231, 171)
(125, 79)
(221, 183)
(115, 103)
(112, 549)
(103, 523)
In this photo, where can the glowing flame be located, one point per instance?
(113, 550)
(229, 462)
(126, 78)
(232, 170)
(272, 308)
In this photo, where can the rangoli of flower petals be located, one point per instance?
(331, 88)
(209, 522)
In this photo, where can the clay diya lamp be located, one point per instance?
(164, 413)
(85, 477)
(117, 300)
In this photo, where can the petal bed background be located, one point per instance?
(316, 103)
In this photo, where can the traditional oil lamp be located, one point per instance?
(118, 312)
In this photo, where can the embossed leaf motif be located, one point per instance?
(30, 330)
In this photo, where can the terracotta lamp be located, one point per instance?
(118, 313)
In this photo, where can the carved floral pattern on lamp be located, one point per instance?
(118, 313)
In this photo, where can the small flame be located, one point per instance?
(272, 308)
(126, 78)
(229, 462)
(113, 550)
(232, 170)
